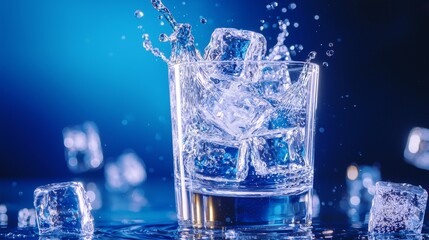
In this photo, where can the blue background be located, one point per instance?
(65, 62)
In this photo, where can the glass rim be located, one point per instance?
(274, 62)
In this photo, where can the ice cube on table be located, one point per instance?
(417, 150)
(230, 44)
(397, 208)
(63, 209)
(82, 147)
(26, 218)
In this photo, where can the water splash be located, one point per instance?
(280, 51)
(147, 44)
(159, 6)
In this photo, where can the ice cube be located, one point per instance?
(226, 161)
(274, 151)
(236, 110)
(82, 147)
(229, 44)
(417, 150)
(63, 209)
(26, 218)
(397, 208)
(126, 173)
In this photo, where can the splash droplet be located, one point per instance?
(330, 44)
(140, 27)
(292, 6)
(330, 53)
(203, 20)
(325, 64)
(161, 23)
(163, 37)
(284, 10)
(316, 17)
(296, 25)
(311, 55)
(138, 14)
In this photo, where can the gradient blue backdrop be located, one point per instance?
(64, 62)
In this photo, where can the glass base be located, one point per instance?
(217, 214)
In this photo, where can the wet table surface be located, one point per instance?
(149, 213)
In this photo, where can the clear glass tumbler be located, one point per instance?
(243, 140)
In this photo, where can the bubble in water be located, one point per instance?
(330, 44)
(203, 20)
(292, 6)
(163, 37)
(325, 64)
(316, 17)
(330, 53)
(138, 14)
(272, 6)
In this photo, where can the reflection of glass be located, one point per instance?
(83, 147)
(243, 143)
(417, 150)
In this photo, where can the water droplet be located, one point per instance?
(292, 6)
(311, 55)
(140, 27)
(163, 37)
(138, 14)
(330, 44)
(160, 17)
(330, 53)
(262, 21)
(284, 10)
(316, 17)
(145, 36)
(325, 64)
(296, 24)
(123, 37)
(161, 23)
(203, 20)
(321, 129)
(183, 3)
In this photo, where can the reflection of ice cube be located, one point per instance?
(360, 191)
(417, 150)
(26, 218)
(397, 207)
(127, 172)
(63, 209)
(83, 147)
(3, 215)
(220, 160)
(235, 110)
(229, 44)
(94, 195)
